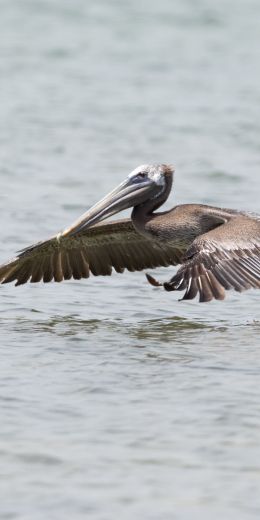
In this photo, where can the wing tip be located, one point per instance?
(152, 281)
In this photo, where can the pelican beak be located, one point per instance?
(128, 194)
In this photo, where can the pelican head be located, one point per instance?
(146, 182)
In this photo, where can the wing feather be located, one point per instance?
(225, 258)
(98, 250)
(65, 264)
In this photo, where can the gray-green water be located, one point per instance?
(116, 400)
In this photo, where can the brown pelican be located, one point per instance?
(218, 248)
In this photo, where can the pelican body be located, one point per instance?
(217, 249)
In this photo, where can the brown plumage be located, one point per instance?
(97, 250)
(218, 249)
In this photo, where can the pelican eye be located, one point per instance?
(141, 175)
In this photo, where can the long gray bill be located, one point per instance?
(126, 195)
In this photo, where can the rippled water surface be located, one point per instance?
(116, 400)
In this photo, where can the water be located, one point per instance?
(117, 401)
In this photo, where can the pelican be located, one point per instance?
(217, 249)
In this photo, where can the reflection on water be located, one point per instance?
(160, 329)
(143, 333)
(166, 329)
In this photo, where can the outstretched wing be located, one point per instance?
(97, 250)
(227, 257)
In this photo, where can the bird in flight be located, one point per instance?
(217, 249)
